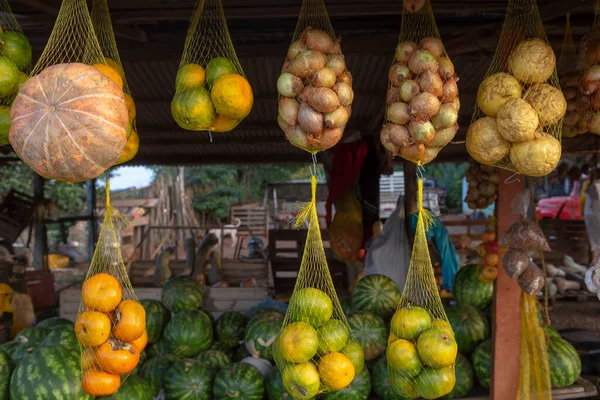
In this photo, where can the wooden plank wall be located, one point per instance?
(254, 219)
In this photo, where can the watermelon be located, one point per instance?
(469, 325)
(241, 381)
(188, 333)
(371, 332)
(25, 349)
(157, 317)
(5, 371)
(142, 359)
(219, 346)
(381, 382)
(54, 322)
(230, 328)
(274, 386)
(482, 362)
(214, 360)
(10, 347)
(50, 373)
(240, 353)
(188, 379)
(29, 334)
(155, 370)
(64, 335)
(464, 377)
(181, 293)
(564, 362)
(134, 387)
(159, 348)
(552, 333)
(469, 289)
(209, 315)
(347, 306)
(261, 333)
(377, 294)
(358, 389)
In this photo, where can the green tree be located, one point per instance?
(449, 176)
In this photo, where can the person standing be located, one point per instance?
(591, 209)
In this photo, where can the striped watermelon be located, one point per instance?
(157, 317)
(464, 377)
(213, 360)
(482, 362)
(188, 333)
(54, 322)
(564, 362)
(552, 333)
(188, 379)
(241, 381)
(141, 361)
(382, 386)
(209, 315)
(5, 371)
(155, 369)
(10, 347)
(134, 388)
(181, 293)
(29, 334)
(377, 294)
(25, 349)
(240, 353)
(274, 386)
(358, 389)
(50, 373)
(347, 305)
(218, 346)
(261, 333)
(371, 332)
(159, 348)
(469, 289)
(64, 335)
(469, 325)
(230, 328)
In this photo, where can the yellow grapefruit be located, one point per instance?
(437, 348)
(298, 342)
(402, 355)
(336, 370)
(301, 380)
(232, 96)
(190, 76)
(409, 322)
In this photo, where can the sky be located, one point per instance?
(129, 177)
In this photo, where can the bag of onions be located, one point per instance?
(315, 87)
(422, 99)
(588, 101)
(519, 113)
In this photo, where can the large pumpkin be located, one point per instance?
(69, 122)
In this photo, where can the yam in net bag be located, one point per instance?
(315, 86)
(15, 62)
(69, 121)
(111, 323)
(422, 99)
(518, 117)
(211, 90)
(589, 88)
(114, 69)
(421, 350)
(315, 350)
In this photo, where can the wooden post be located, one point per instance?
(410, 194)
(40, 248)
(180, 201)
(90, 199)
(505, 308)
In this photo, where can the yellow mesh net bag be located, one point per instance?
(315, 349)
(315, 86)
(212, 92)
(422, 99)
(589, 89)
(421, 350)
(519, 113)
(570, 76)
(111, 323)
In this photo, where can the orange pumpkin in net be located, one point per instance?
(69, 123)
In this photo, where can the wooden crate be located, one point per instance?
(252, 218)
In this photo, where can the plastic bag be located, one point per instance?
(532, 280)
(346, 230)
(315, 86)
(518, 117)
(515, 261)
(422, 98)
(592, 276)
(212, 92)
(525, 234)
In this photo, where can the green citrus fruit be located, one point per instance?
(17, 48)
(9, 76)
(402, 355)
(409, 322)
(217, 67)
(434, 383)
(4, 125)
(310, 305)
(437, 348)
(302, 381)
(332, 336)
(298, 342)
(354, 351)
(193, 109)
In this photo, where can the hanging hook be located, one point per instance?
(514, 178)
(420, 171)
(313, 168)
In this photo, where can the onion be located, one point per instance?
(585, 121)
(299, 46)
(345, 77)
(443, 136)
(289, 85)
(310, 121)
(455, 104)
(594, 125)
(344, 92)
(297, 137)
(284, 127)
(433, 45)
(414, 152)
(336, 48)
(450, 91)
(393, 95)
(413, 5)
(324, 77)
(337, 119)
(409, 90)
(595, 101)
(569, 81)
(431, 153)
(321, 99)
(446, 68)
(318, 40)
(424, 106)
(432, 83)
(398, 113)
(571, 119)
(421, 61)
(288, 110)
(399, 73)
(404, 50)
(572, 104)
(329, 139)
(336, 63)
(398, 134)
(446, 117)
(386, 141)
(307, 63)
(591, 79)
(582, 104)
(570, 93)
(421, 132)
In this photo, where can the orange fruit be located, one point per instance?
(193, 109)
(354, 351)
(130, 319)
(190, 76)
(101, 292)
(392, 337)
(131, 148)
(336, 370)
(488, 236)
(92, 328)
(402, 355)
(117, 357)
(481, 252)
(298, 342)
(141, 342)
(131, 111)
(99, 383)
(115, 65)
(301, 380)
(232, 96)
(409, 322)
(491, 259)
(110, 72)
(222, 124)
(437, 348)
(488, 274)
(87, 359)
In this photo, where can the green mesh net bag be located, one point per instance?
(106, 39)
(15, 62)
(111, 323)
(588, 101)
(69, 120)
(517, 122)
(212, 92)
(421, 350)
(315, 86)
(422, 99)
(315, 350)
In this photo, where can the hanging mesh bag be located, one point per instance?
(212, 92)
(114, 68)
(422, 99)
(519, 113)
(315, 350)
(589, 88)
(111, 323)
(315, 86)
(69, 120)
(421, 350)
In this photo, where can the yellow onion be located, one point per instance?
(496, 90)
(336, 63)
(421, 61)
(393, 95)
(585, 121)
(432, 83)
(446, 68)
(297, 137)
(583, 103)
(399, 135)
(297, 47)
(318, 40)
(284, 127)
(449, 90)
(570, 93)
(327, 140)
(572, 104)
(386, 140)
(430, 154)
(409, 90)
(321, 99)
(310, 120)
(424, 106)
(569, 131)
(595, 101)
(517, 121)
(569, 81)
(415, 152)
(571, 119)
(325, 77)
(345, 77)
(594, 125)
(455, 104)
(443, 136)
(536, 157)
(591, 79)
(344, 93)
(432, 45)
(404, 50)
(399, 73)
(398, 113)
(446, 117)
(337, 118)
(548, 102)
(532, 61)
(307, 63)
(421, 132)
(288, 110)
(484, 142)
(289, 85)
(413, 5)
(336, 48)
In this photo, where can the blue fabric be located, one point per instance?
(450, 259)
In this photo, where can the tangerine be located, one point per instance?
(131, 148)
(101, 292)
(193, 109)
(223, 124)
(190, 76)
(110, 72)
(302, 381)
(232, 96)
(298, 342)
(402, 355)
(336, 370)
(92, 328)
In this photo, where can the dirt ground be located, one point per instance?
(566, 314)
